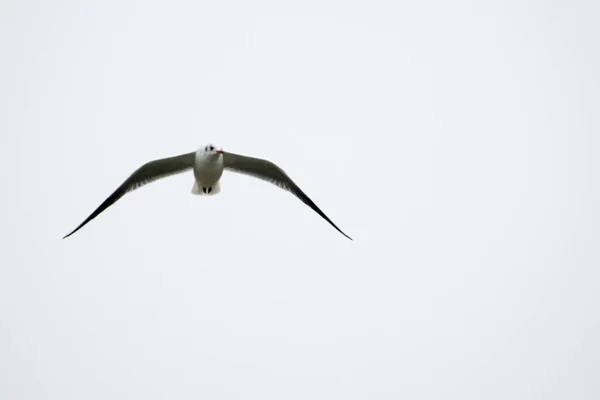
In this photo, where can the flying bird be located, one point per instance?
(207, 164)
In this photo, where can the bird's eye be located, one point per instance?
(211, 148)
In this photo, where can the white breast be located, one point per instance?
(208, 168)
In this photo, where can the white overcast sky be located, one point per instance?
(456, 141)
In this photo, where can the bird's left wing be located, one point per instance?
(147, 173)
(268, 171)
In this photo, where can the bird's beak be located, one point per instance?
(220, 151)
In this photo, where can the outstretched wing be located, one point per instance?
(268, 171)
(147, 173)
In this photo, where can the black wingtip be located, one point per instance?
(75, 230)
(339, 230)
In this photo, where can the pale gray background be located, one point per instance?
(456, 141)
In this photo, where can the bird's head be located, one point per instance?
(212, 150)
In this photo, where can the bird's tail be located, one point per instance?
(206, 190)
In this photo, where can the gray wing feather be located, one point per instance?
(270, 172)
(149, 172)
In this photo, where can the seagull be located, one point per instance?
(207, 164)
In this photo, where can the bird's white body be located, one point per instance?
(208, 168)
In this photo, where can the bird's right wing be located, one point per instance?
(270, 172)
(147, 173)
